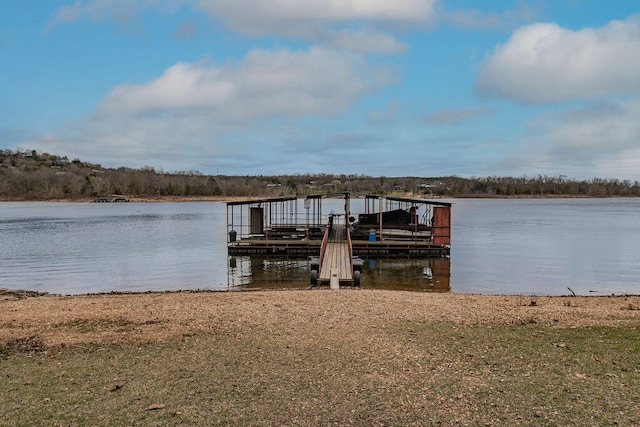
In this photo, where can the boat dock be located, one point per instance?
(385, 226)
(111, 198)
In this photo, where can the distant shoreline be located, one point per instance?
(169, 199)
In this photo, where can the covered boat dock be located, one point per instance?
(384, 226)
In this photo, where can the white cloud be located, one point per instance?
(366, 41)
(262, 16)
(543, 63)
(221, 111)
(182, 85)
(625, 165)
(347, 24)
(274, 16)
(265, 84)
(600, 139)
(604, 127)
(355, 25)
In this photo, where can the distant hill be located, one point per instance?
(31, 175)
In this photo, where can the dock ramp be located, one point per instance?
(336, 258)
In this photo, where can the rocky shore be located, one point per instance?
(18, 294)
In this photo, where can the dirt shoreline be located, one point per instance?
(319, 357)
(154, 317)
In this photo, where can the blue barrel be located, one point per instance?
(372, 235)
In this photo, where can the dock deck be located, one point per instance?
(336, 258)
(388, 226)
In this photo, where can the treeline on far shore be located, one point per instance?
(30, 175)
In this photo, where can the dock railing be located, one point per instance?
(323, 246)
(350, 247)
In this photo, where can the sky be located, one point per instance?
(374, 87)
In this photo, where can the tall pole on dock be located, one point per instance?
(307, 205)
(380, 204)
(347, 208)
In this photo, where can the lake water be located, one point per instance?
(529, 247)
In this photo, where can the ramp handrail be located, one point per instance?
(323, 246)
(350, 247)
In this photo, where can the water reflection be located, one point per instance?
(412, 274)
(409, 274)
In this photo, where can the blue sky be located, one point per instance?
(375, 87)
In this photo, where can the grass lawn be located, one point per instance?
(274, 366)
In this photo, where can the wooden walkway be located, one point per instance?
(337, 256)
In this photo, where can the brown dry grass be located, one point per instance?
(152, 317)
(320, 357)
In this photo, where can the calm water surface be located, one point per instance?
(99, 247)
(539, 247)
(544, 246)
